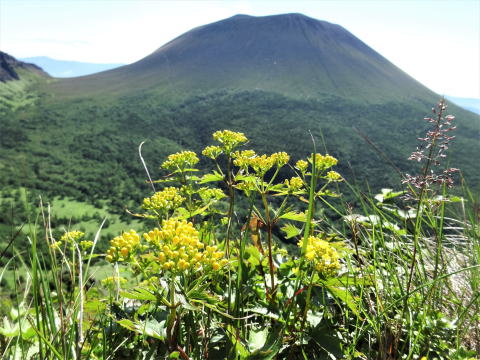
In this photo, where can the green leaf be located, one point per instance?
(211, 178)
(257, 339)
(9, 329)
(344, 295)
(139, 294)
(152, 327)
(271, 347)
(291, 231)
(238, 349)
(295, 216)
(314, 318)
(330, 344)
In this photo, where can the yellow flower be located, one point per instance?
(112, 280)
(208, 194)
(241, 158)
(56, 245)
(334, 176)
(86, 244)
(261, 164)
(229, 139)
(122, 246)
(72, 236)
(180, 161)
(212, 151)
(302, 165)
(179, 247)
(165, 200)
(280, 158)
(323, 162)
(322, 256)
(294, 184)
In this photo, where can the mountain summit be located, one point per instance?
(290, 54)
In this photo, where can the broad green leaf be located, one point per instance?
(257, 339)
(314, 318)
(271, 347)
(139, 294)
(151, 327)
(211, 178)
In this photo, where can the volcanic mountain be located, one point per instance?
(276, 78)
(290, 54)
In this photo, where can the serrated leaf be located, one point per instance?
(295, 216)
(291, 231)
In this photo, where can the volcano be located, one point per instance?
(276, 78)
(290, 54)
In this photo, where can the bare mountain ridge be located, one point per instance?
(9, 67)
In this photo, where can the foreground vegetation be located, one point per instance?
(242, 263)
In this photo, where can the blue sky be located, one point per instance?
(435, 41)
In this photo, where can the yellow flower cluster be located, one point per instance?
(85, 244)
(280, 158)
(260, 164)
(323, 162)
(212, 151)
(113, 280)
(165, 200)
(180, 161)
(242, 158)
(179, 248)
(334, 176)
(229, 139)
(72, 236)
(322, 255)
(121, 246)
(302, 165)
(294, 184)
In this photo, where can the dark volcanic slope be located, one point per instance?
(9, 67)
(290, 54)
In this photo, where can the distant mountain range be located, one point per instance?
(276, 78)
(64, 68)
(470, 104)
